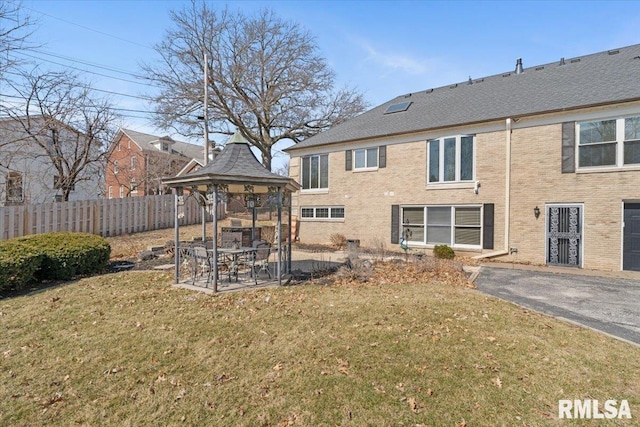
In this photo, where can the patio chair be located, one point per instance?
(261, 259)
(200, 263)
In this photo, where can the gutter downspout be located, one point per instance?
(507, 196)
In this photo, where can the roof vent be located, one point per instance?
(614, 52)
(470, 82)
(506, 74)
(562, 61)
(453, 86)
(575, 60)
(540, 68)
(429, 90)
(519, 66)
(408, 95)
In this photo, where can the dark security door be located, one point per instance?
(564, 235)
(631, 244)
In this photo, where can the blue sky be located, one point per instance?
(383, 48)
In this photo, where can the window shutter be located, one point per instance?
(395, 224)
(347, 159)
(568, 147)
(382, 154)
(487, 224)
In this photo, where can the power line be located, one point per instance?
(86, 71)
(89, 28)
(91, 64)
(141, 97)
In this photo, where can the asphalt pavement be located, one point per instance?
(607, 304)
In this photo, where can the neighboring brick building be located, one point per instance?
(539, 165)
(138, 161)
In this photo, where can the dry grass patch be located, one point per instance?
(128, 349)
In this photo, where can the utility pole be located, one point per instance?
(206, 113)
(205, 117)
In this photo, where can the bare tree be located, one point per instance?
(265, 78)
(61, 121)
(15, 30)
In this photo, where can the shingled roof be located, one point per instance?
(598, 79)
(146, 142)
(236, 164)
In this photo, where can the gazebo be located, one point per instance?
(236, 170)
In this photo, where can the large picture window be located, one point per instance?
(457, 226)
(609, 143)
(451, 159)
(315, 172)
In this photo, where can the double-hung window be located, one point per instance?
(609, 143)
(365, 158)
(632, 140)
(457, 226)
(451, 159)
(315, 172)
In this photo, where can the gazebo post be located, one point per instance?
(290, 237)
(176, 234)
(215, 238)
(279, 228)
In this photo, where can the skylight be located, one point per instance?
(396, 108)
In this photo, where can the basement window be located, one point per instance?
(397, 108)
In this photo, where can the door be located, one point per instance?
(631, 237)
(564, 235)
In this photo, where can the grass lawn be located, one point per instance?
(411, 348)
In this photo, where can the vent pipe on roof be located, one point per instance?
(519, 66)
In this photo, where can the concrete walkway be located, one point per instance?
(607, 302)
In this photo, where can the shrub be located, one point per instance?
(339, 241)
(52, 256)
(443, 252)
(18, 264)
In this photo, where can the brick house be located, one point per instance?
(538, 164)
(137, 161)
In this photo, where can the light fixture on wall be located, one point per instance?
(536, 212)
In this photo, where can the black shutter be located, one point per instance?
(487, 223)
(382, 154)
(568, 147)
(395, 224)
(347, 159)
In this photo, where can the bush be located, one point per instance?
(18, 264)
(443, 252)
(52, 256)
(339, 241)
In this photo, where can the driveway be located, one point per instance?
(607, 304)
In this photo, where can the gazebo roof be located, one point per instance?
(236, 164)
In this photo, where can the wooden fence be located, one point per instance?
(106, 217)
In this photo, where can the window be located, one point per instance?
(451, 159)
(134, 186)
(121, 191)
(115, 166)
(597, 145)
(457, 226)
(134, 163)
(164, 146)
(14, 191)
(323, 212)
(365, 158)
(632, 140)
(110, 192)
(609, 143)
(315, 172)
